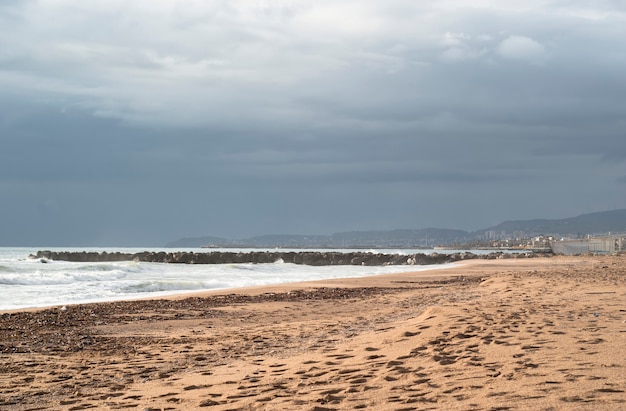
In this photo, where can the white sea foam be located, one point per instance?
(28, 282)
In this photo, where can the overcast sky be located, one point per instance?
(140, 122)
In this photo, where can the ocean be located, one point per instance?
(28, 283)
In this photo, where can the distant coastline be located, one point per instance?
(509, 235)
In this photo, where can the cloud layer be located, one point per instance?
(143, 121)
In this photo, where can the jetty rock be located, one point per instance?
(314, 258)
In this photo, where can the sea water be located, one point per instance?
(26, 282)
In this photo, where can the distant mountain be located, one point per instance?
(195, 242)
(278, 240)
(592, 223)
(399, 238)
(355, 239)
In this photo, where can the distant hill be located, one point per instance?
(355, 239)
(195, 242)
(278, 240)
(592, 223)
(423, 237)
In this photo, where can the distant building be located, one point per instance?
(597, 245)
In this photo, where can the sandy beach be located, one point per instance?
(512, 334)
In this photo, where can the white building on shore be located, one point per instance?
(610, 244)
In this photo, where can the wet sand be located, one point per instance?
(511, 334)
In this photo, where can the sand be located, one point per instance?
(511, 334)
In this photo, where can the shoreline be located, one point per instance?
(181, 294)
(345, 282)
(541, 333)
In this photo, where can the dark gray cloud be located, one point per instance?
(144, 122)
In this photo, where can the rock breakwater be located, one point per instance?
(315, 258)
